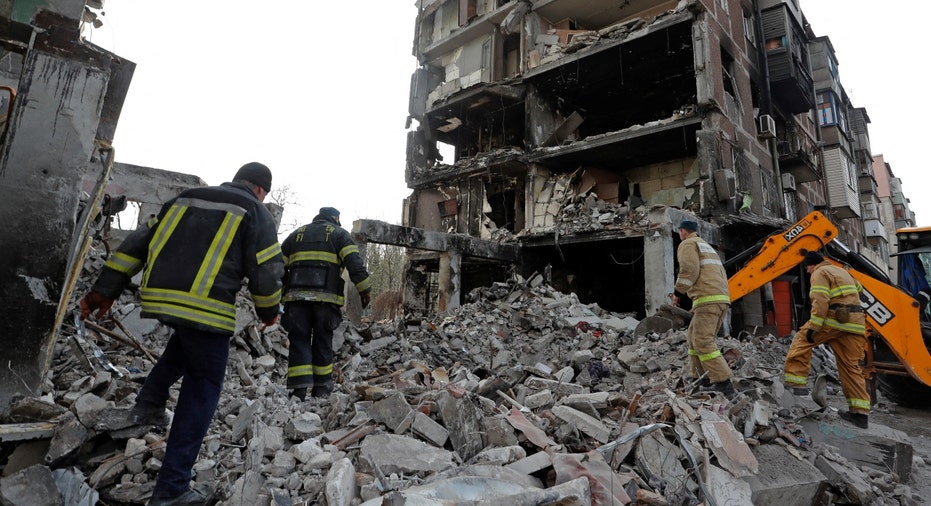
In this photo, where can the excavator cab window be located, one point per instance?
(914, 266)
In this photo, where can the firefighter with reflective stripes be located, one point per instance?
(838, 320)
(195, 254)
(703, 279)
(315, 256)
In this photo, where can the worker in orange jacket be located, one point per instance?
(837, 320)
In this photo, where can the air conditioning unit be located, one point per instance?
(767, 127)
(788, 182)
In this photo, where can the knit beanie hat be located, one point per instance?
(689, 225)
(812, 258)
(257, 174)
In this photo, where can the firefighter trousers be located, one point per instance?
(704, 354)
(848, 349)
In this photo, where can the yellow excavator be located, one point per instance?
(898, 325)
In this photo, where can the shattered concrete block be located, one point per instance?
(247, 489)
(340, 487)
(74, 488)
(538, 399)
(851, 480)
(429, 430)
(401, 454)
(500, 456)
(306, 450)
(879, 446)
(726, 489)
(499, 432)
(69, 435)
(531, 463)
(304, 426)
(557, 387)
(585, 423)
(281, 465)
(787, 480)
(463, 421)
(393, 411)
(377, 344)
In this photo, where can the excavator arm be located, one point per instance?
(782, 251)
(891, 313)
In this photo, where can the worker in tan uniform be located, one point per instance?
(703, 279)
(836, 319)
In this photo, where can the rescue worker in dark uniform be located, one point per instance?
(837, 319)
(195, 254)
(315, 256)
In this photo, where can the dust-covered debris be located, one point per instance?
(523, 394)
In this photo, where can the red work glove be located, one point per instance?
(366, 297)
(273, 320)
(95, 301)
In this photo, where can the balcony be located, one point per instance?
(787, 59)
(798, 155)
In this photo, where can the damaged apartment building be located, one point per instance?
(580, 132)
(60, 101)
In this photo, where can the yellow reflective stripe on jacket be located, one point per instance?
(162, 233)
(707, 356)
(348, 250)
(820, 289)
(312, 296)
(711, 298)
(268, 253)
(320, 256)
(223, 322)
(121, 262)
(267, 300)
(364, 285)
(213, 260)
(300, 370)
(321, 370)
(853, 328)
(189, 299)
(844, 290)
(859, 403)
(816, 320)
(796, 380)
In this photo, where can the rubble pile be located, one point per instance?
(523, 395)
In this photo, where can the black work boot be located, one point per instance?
(322, 390)
(725, 387)
(800, 391)
(143, 414)
(300, 393)
(198, 495)
(861, 420)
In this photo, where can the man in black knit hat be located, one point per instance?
(196, 253)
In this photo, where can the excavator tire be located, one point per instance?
(902, 390)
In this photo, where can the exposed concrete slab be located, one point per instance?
(879, 447)
(786, 480)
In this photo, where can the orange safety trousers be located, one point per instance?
(704, 354)
(848, 349)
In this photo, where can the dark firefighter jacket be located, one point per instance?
(315, 256)
(196, 253)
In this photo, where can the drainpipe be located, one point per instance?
(767, 103)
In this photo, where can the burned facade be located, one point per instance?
(62, 99)
(584, 131)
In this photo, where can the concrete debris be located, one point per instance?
(523, 396)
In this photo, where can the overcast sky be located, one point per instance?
(318, 91)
